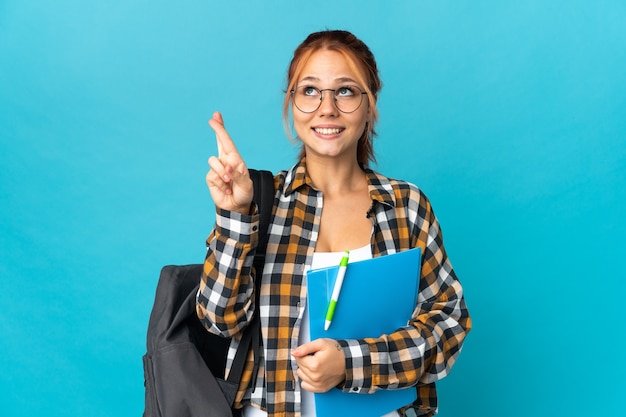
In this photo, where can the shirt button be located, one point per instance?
(255, 228)
(355, 389)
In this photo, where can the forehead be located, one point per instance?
(329, 66)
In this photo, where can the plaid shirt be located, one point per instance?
(402, 218)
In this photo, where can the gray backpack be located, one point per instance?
(184, 363)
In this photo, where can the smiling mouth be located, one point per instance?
(327, 130)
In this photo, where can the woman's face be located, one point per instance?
(327, 131)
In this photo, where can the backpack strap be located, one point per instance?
(263, 182)
(264, 198)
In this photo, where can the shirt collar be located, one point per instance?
(297, 177)
(379, 186)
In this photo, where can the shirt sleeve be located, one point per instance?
(426, 349)
(225, 299)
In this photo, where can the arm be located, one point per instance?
(225, 300)
(426, 349)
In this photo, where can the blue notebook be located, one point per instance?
(378, 296)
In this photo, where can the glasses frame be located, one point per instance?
(334, 90)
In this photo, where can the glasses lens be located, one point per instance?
(307, 99)
(347, 98)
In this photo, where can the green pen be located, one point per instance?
(341, 272)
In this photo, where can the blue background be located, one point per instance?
(510, 115)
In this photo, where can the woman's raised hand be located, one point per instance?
(228, 179)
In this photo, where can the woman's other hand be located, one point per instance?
(321, 365)
(228, 179)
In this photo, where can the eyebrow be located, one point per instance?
(337, 80)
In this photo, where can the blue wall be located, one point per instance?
(510, 115)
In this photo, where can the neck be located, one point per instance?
(332, 177)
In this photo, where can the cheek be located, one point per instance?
(362, 122)
(300, 123)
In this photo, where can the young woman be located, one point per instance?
(328, 202)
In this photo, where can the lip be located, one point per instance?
(327, 131)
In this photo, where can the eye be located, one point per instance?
(309, 91)
(346, 91)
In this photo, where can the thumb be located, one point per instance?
(307, 349)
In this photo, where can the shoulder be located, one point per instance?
(396, 192)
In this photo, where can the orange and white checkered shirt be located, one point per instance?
(402, 218)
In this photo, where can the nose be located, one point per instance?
(328, 105)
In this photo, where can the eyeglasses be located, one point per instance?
(347, 99)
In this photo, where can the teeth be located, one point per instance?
(327, 131)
